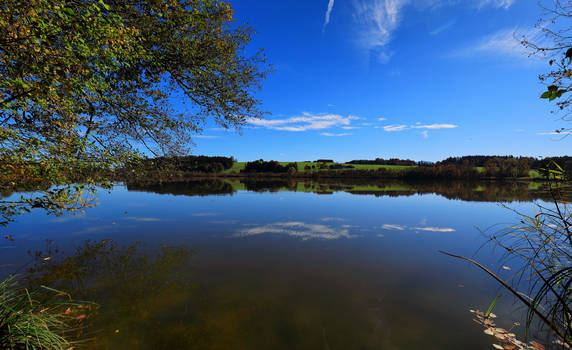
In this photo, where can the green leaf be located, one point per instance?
(569, 53)
(105, 6)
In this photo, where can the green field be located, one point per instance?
(238, 166)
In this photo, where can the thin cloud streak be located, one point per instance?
(328, 14)
(334, 135)
(391, 128)
(435, 126)
(443, 27)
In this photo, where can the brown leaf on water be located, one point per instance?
(537, 345)
(509, 347)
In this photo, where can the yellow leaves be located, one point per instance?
(568, 73)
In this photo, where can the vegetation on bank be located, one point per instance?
(468, 167)
(43, 318)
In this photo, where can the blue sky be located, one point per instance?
(417, 79)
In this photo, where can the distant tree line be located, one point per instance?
(261, 166)
(169, 167)
(381, 161)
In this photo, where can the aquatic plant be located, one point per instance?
(37, 319)
(541, 246)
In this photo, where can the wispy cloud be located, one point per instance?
(377, 20)
(496, 3)
(504, 42)
(328, 14)
(206, 137)
(426, 127)
(391, 128)
(306, 122)
(435, 126)
(351, 127)
(393, 227)
(334, 135)
(298, 230)
(443, 27)
(381, 119)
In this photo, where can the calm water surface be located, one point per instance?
(296, 266)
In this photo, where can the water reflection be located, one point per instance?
(391, 227)
(298, 230)
(482, 191)
(288, 271)
(144, 296)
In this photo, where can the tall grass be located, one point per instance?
(541, 244)
(38, 319)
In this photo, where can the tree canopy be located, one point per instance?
(86, 85)
(555, 43)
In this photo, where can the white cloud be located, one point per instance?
(435, 126)
(351, 127)
(206, 137)
(497, 3)
(395, 128)
(381, 119)
(306, 122)
(393, 227)
(504, 42)
(427, 127)
(334, 135)
(298, 230)
(328, 14)
(377, 20)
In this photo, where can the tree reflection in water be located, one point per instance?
(147, 299)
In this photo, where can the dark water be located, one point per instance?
(276, 264)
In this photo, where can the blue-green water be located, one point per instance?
(270, 270)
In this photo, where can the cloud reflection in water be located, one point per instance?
(299, 230)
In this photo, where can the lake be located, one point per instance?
(273, 264)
